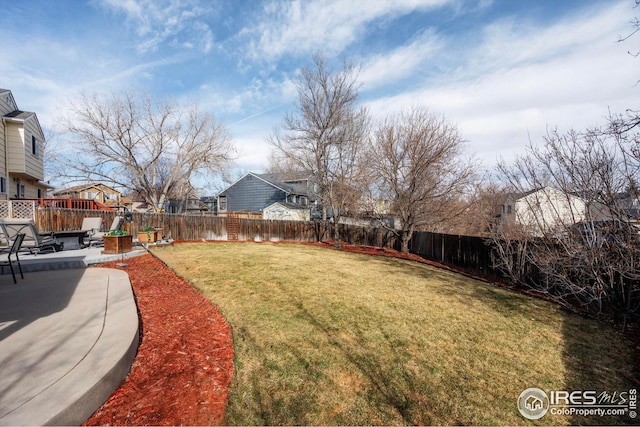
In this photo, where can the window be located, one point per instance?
(34, 145)
(222, 203)
(92, 194)
(3, 184)
(19, 190)
(509, 209)
(40, 193)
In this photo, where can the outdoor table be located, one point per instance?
(69, 240)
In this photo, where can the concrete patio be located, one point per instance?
(68, 336)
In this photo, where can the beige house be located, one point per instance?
(97, 191)
(549, 210)
(21, 150)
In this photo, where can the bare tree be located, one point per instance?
(631, 118)
(326, 134)
(574, 235)
(635, 27)
(149, 146)
(51, 154)
(417, 162)
(479, 212)
(281, 165)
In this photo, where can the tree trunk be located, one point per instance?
(405, 238)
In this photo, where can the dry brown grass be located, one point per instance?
(326, 337)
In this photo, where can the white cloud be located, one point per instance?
(253, 152)
(180, 23)
(132, 8)
(301, 27)
(384, 69)
(526, 78)
(242, 102)
(516, 41)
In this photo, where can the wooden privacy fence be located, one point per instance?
(468, 252)
(272, 230)
(174, 226)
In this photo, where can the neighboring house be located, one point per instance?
(190, 205)
(284, 211)
(21, 150)
(254, 192)
(548, 209)
(142, 207)
(97, 191)
(211, 202)
(629, 205)
(304, 180)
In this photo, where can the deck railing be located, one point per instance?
(83, 204)
(18, 209)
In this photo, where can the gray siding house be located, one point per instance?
(254, 192)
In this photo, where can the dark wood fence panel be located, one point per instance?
(469, 252)
(366, 236)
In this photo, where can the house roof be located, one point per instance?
(291, 206)
(11, 100)
(46, 185)
(82, 187)
(287, 187)
(290, 176)
(510, 197)
(269, 179)
(19, 115)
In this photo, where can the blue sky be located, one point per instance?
(503, 71)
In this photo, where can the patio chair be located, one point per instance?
(92, 225)
(96, 239)
(33, 242)
(14, 249)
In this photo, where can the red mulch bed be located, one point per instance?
(184, 364)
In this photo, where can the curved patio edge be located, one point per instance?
(88, 341)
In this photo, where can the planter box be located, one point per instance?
(149, 236)
(117, 244)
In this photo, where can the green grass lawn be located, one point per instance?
(323, 337)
